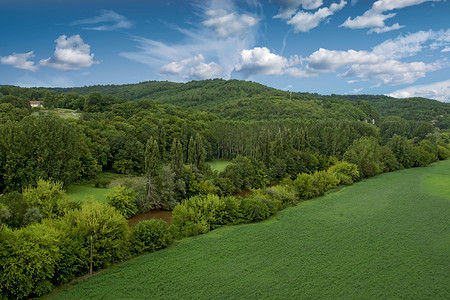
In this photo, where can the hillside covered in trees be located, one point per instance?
(243, 100)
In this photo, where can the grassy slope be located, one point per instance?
(386, 237)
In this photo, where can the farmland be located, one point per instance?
(385, 237)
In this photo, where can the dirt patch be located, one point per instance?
(165, 215)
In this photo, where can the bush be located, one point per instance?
(345, 172)
(304, 186)
(102, 182)
(29, 256)
(150, 236)
(284, 195)
(254, 209)
(123, 199)
(199, 214)
(324, 181)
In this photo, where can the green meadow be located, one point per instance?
(87, 192)
(387, 237)
(219, 165)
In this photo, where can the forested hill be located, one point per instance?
(245, 100)
(416, 109)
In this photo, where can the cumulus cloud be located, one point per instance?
(71, 53)
(446, 49)
(289, 7)
(439, 91)
(192, 67)
(228, 24)
(305, 21)
(109, 19)
(383, 64)
(324, 60)
(375, 18)
(261, 61)
(20, 61)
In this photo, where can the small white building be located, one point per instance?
(36, 103)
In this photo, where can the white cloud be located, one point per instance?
(228, 24)
(446, 49)
(375, 17)
(260, 60)
(20, 61)
(439, 91)
(324, 60)
(305, 21)
(289, 7)
(112, 19)
(70, 54)
(192, 67)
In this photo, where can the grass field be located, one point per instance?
(219, 164)
(385, 238)
(87, 192)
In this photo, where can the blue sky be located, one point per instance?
(395, 47)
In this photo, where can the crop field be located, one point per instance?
(219, 165)
(387, 237)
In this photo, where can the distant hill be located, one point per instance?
(246, 100)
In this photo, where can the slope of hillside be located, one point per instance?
(383, 238)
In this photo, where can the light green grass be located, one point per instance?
(219, 165)
(385, 238)
(87, 192)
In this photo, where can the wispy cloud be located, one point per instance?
(227, 24)
(289, 7)
(107, 20)
(20, 61)
(439, 91)
(71, 53)
(218, 47)
(375, 17)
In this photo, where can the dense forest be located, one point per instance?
(165, 133)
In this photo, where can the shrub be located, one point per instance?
(345, 172)
(150, 236)
(29, 256)
(102, 182)
(443, 152)
(199, 214)
(123, 199)
(324, 181)
(304, 186)
(254, 209)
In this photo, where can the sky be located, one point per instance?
(399, 48)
